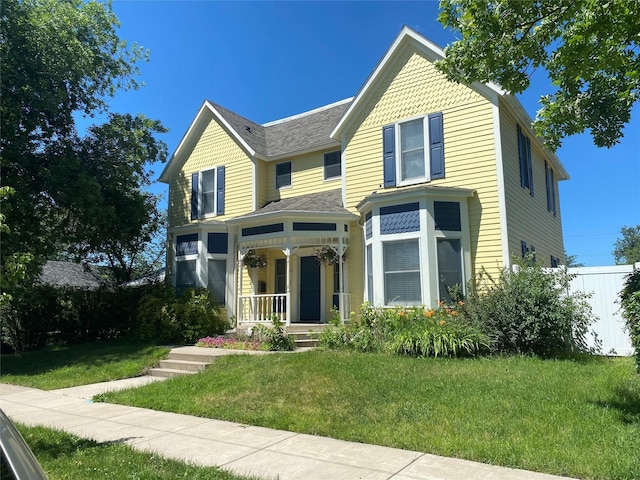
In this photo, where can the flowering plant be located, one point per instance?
(328, 255)
(253, 260)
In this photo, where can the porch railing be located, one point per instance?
(262, 308)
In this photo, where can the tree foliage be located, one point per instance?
(589, 48)
(627, 248)
(61, 59)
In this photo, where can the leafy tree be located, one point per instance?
(571, 261)
(61, 58)
(589, 48)
(627, 248)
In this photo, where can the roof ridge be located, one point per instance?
(309, 112)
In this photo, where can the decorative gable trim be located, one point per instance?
(192, 135)
(429, 49)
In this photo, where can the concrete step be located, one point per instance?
(170, 372)
(304, 339)
(183, 365)
(191, 357)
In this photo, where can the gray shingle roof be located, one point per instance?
(288, 136)
(321, 202)
(69, 274)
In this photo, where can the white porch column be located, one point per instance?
(240, 312)
(287, 312)
(340, 280)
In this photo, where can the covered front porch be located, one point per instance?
(292, 264)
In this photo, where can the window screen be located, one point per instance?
(401, 263)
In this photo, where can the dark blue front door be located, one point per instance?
(309, 289)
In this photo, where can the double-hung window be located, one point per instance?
(186, 255)
(207, 193)
(217, 249)
(413, 150)
(283, 175)
(332, 165)
(401, 268)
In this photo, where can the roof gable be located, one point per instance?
(412, 39)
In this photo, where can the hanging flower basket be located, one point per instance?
(253, 260)
(328, 255)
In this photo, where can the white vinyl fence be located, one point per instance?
(604, 284)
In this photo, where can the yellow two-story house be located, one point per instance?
(391, 197)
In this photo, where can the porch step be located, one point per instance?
(305, 339)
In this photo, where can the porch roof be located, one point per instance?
(327, 203)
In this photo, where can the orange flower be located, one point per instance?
(401, 313)
(454, 313)
(448, 310)
(461, 303)
(442, 322)
(440, 303)
(429, 313)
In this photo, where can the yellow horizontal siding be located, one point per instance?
(527, 217)
(214, 147)
(307, 176)
(412, 86)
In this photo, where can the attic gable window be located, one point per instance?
(207, 193)
(283, 175)
(332, 165)
(413, 150)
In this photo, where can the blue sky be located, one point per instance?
(269, 60)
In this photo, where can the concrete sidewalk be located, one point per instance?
(245, 450)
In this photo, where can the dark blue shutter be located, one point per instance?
(547, 181)
(389, 155)
(523, 247)
(553, 192)
(522, 158)
(194, 196)
(436, 145)
(220, 191)
(529, 166)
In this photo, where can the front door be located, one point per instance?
(309, 289)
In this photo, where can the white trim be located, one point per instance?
(189, 138)
(428, 48)
(254, 186)
(343, 167)
(426, 156)
(502, 195)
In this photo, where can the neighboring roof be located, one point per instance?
(329, 202)
(157, 276)
(69, 274)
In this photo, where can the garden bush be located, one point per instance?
(39, 315)
(529, 311)
(165, 318)
(413, 331)
(630, 302)
(276, 336)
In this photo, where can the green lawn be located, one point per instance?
(65, 456)
(566, 417)
(69, 366)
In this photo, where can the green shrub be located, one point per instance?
(164, 318)
(630, 302)
(413, 331)
(529, 311)
(38, 315)
(276, 336)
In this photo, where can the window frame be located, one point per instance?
(324, 165)
(279, 175)
(426, 156)
(215, 192)
(385, 273)
(524, 160)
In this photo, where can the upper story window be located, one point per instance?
(413, 151)
(332, 165)
(207, 193)
(283, 175)
(551, 188)
(524, 156)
